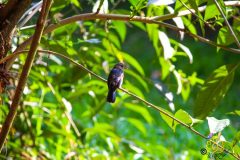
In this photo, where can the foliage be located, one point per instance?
(64, 113)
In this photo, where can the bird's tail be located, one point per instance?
(111, 96)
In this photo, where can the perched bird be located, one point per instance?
(115, 80)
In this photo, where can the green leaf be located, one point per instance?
(131, 87)
(76, 3)
(179, 82)
(189, 25)
(168, 119)
(138, 124)
(102, 129)
(190, 4)
(236, 112)
(165, 67)
(138, 78)
(236, 139)
(186, 89)
(133, 62)
(141, 110)
(211, 10)
(181, 115)
(139, 25)
(213, 90)
(121, 29)
(225, 37)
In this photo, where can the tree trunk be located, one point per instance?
(9, 17)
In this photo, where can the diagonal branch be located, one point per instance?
(159, 109)
(25, 72)
(227, 23)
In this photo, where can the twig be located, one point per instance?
(227, 23)
(133, 95)
(193, 13)
(25, 72)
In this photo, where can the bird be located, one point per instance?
(114, 81)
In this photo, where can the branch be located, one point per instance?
(93, 16)
(159, 109)
(25, 72)
(227, 23)
(193, 13)
(187, 12)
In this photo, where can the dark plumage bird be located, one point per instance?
(115, 80)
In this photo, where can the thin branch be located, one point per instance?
(93, 16)
(193, 13)
(25, 72)
(187, 12)
(159, 109)
(227, 23)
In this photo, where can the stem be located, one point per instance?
(25, 72)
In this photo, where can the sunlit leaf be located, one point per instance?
(183, 116)
(178, 21)
(179, 81)
(167, 48)
(165, 67)
(216, 125)
(103, 6)
(130, 86)
(101, 128)
(139, 25)
(168, 119)
(76, 3)
(211, 6)
(189, 25)
(187, 51)
(133, 62)
(138, 78)
(141, 110)
(138, 124)
(120, 27)
(213, 90)
(236, 112)
(160, 2)
(236, 139)
(225, 37)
